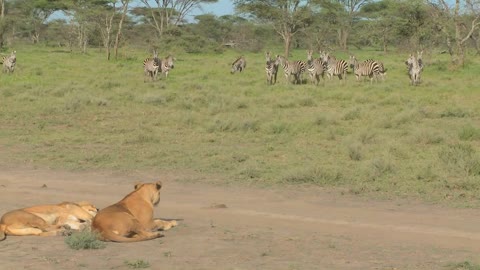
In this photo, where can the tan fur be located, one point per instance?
(47, 220)
(131, 219)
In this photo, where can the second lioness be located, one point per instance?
(131, 219)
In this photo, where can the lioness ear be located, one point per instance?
(159, 185)
(138, 185)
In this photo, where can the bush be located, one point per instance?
(137, 264)
(84, 240)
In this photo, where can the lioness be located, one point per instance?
(131, 219)
(47, 220)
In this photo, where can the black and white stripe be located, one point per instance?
(316, 67)
(151, 65)
(335, 67)
(239, 65)
(367, 68)
(271, 68)
(415, 67)
(9, 62)
(295, 68)
(166, 64)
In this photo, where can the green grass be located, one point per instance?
(137, 264)
(80, 112)
(84, 240)
(466, 265)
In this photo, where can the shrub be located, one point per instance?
(466, 265)
(461, 157)
(469, 133)
(454, 112)
(84, 240)
(355, 152)
(137, 264)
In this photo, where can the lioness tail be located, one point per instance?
(110, 236)
(3, 227)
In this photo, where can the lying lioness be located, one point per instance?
(47, 220)
(131, 219)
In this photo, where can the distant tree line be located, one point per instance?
(451, 26)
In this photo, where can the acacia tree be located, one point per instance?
(342, 14)
(167, 13)
(288, 17)
(405, 22)
(31, 15)
(120, 24)
(458, 22)
(107, 27)
(86, 16)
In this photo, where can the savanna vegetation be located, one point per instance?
(66, 106)
(75, 111)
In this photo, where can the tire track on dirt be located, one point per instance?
(425, 230)
(398, 228)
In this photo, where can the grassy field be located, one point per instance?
(73, 111)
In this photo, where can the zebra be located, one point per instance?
(271, 68)
(151, 65)
(316, 67)
(335, 67)
(9, 62)
(239, 65)
(415, 67)
(368, 68)
(295, 68)
(166, 64)
(381, 68)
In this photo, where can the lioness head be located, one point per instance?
(87, 206)
(153, 189)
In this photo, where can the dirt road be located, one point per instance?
(224, 227)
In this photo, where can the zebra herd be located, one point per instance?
(330, 66)
(152, 65)
(9, 62)
(317, 68)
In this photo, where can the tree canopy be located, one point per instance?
(451, 26)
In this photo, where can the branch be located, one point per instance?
(475, 24)
(156, 26)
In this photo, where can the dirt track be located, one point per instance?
(258, 229)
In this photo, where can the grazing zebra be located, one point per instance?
(381, 69)
(367, 68)
(335, 67)
(166, 64)
(271, 67)
(151, 65)
(9, 62)
(295, 68)
(316, 67)
(415, 67)
(239, 64)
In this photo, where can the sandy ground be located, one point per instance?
(263, 228)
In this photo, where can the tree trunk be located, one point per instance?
(287, 38)
(459, 57)
(343, 38)
(2, 22)
(120, 24)
(384, 39)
